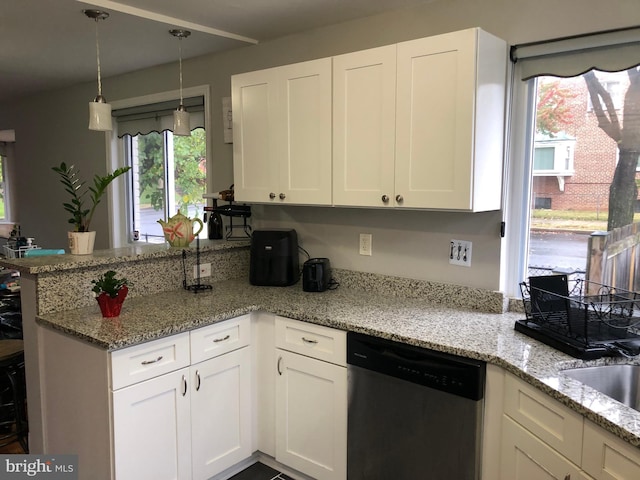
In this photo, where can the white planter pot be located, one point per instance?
(81, 243)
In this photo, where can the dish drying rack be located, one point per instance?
(580, 315)
(12, 250)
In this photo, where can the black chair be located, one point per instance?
(13, 413)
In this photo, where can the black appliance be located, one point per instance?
(274, 258)
(413, 413)
(316, 275)
(586, 320)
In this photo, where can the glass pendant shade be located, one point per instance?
(100, 115)
(181, 122)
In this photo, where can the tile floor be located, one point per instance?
(260, 471)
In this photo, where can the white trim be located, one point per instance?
(517, 207)
(119, 234)
(172, 21)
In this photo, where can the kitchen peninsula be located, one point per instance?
(459, 320)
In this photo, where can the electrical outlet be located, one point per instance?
(205, 270)
(460, 253)
(365, 244)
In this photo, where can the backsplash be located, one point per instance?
(455, 296)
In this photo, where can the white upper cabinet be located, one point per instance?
(364, 123)
(450, 121)
(282, 134)
(419, 124)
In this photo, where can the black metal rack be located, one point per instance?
(584, 319)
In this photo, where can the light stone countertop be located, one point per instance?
(485, 336)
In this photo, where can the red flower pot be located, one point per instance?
(111, 306)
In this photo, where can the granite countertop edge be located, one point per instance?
(489, 337)
(55, 263)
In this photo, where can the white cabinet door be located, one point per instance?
(221, 412)
(303, 131)
(311, 416)
(152, 429)
(282, 134)
(254, 97)
(607, 457)
(526, 457)
(364, 112)
(449, 121)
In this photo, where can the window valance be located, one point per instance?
(157, 117)
(611, 51)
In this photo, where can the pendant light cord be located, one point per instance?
(180, 57)
(98, 59)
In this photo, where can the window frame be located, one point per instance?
(119, 236)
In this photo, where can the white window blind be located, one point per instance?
(157, 117)
(610, 51)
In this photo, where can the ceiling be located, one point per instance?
(51, 44)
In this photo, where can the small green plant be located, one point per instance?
(80, 215)
(109, 284)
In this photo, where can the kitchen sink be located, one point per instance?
(621, 382)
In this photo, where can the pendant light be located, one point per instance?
(181, 125)
(99, 109)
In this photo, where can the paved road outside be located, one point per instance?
(558, 249)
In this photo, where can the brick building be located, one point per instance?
(573, 170)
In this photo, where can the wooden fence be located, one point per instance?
(614, 258)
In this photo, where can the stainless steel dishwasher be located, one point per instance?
(414, 414)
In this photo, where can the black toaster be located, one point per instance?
(316, 275)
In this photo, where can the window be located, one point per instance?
(561, 176)
(168, 174)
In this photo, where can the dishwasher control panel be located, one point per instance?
(449, 373)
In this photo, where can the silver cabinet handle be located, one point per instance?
(272, 195)
(385, 198)
(282, 196)
(149, 362)
(310, 341)
(184, 385)
(216, 340)
(197, 381)
(278, 366)
(399, 198)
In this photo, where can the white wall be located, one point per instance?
(409, 244)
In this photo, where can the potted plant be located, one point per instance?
(110, 293)
(81, 239)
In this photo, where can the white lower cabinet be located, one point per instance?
(526, 457)
(192, 423)
(152, 429)
(311, 401)
(543, 439)
(220, 413)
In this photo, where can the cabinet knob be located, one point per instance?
(399, 198)
(385, 198)
(282, 196)
(272, 195)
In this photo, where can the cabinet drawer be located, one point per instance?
(314, 341)
(148, 360)
(526, 457)
(555, 424)
(606, 457)
(213, 340)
